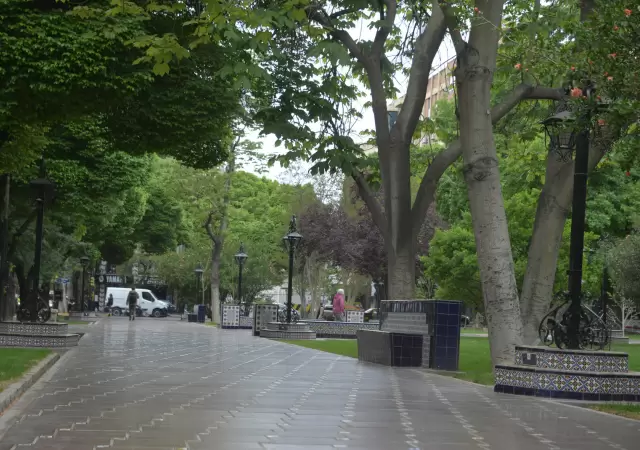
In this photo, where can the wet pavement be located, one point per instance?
(165, 384)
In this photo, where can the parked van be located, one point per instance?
(147, 301)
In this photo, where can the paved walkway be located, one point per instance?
(163, 384)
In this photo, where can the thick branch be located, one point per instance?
(343, 12)
(19, 232)
(377, 49)
(427, 46)
(452, 24)
(208, 226)
(373, 205)
(319, 16)
(427, 190)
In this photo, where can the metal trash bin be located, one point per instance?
(202, 313)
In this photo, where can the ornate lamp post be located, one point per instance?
(84, 262)
(199, 271)
(291, 241)
(43, 187)
(563, 138)
(240, 258)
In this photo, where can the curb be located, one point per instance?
(15, 390)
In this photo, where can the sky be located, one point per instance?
(362, 32)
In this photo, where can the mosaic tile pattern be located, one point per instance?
(245, 322)
(405, 322)
(277, 330)
(24, 340)
(445, 317)
(547, 358)
(578, 386)
(39, 329)
(262, 315)
(342, 330)
(393, 349)
(230, 316)
(355, 316)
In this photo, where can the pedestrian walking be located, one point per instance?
(132, 301)
(338, 306)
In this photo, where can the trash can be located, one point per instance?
(202, 313)
(192, 318)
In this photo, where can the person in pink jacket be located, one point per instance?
(338, 306)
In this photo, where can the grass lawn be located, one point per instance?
(16, 361)
(475, 359)
(629, 410)
(211, 324)
(472, 331)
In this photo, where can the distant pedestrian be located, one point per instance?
(338, 306)
(132, 301)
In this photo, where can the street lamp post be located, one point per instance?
(563, 138)
(291, 241)
(199, 271)
(84, 262)
(241, 257)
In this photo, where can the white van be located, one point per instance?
(147, 301)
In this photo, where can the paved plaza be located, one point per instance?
(164, 384)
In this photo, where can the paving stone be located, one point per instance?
(165, 384)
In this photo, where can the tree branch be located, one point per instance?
(427, 190)
(19, 232)
(208, 226)
(372, 205)
(427, 46)
(452, 24)
(343, 12)
(322, 18)
(377, 49)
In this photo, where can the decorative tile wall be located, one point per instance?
(230, 316)
(339, 330)
(405, 322)
(39, 329)
(262, 315)
(275, 330)
(245, 322)
(579, 361)
(45, 341)
(374, 346)
(445, 340)
(355, 316)
(589, 386)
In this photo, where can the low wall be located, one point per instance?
(339, 330)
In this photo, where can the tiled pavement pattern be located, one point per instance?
(163, 384)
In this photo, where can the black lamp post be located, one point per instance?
(241, 257)
(84, 262)
(43, 186)
(291, 241)
(198, 271)
(563, 138)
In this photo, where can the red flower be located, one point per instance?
(602, 122)
(609, 78)
(616, 28)
(599, 98)
(612, 55)
(576, 92)
(627, 173)
(477, 11)
(627, 12)
(573, 68)
(518, 66)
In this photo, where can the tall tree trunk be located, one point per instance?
(217, 240)
(542, 262)
(553, 208)
(477, 60)
(216, 253)
(4, 247)
(551, 216)
(401, 277)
